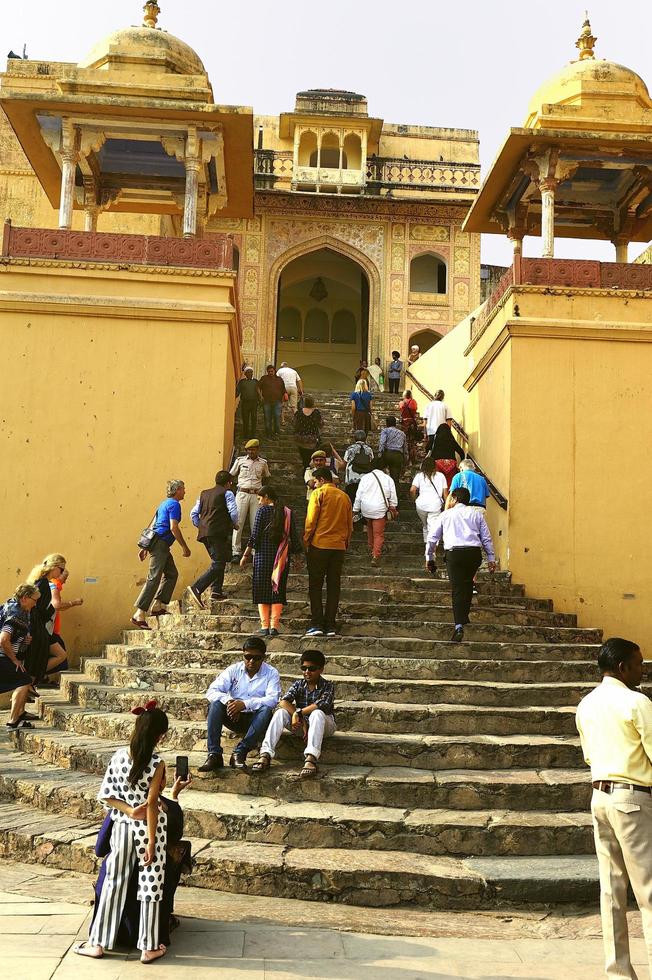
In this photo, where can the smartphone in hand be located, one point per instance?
(181, 767)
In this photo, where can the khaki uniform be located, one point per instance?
(250, 474)
(615, 726)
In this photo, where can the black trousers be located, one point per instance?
(393, 385)
(324, 563)
(219, 550)
(248, 410)
(394, 460)
(461, 565)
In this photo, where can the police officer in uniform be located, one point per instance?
(251, 472)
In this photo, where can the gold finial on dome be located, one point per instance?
(586, 40)
(152, 10)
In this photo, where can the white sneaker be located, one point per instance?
(314, 631)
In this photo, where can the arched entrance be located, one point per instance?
(425, 339)
(322, 320)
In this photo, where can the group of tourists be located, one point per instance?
(32, 650)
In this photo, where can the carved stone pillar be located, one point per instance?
(190, 201)
(621, 245)
(547, 188)
(91, 214)
(69, 158)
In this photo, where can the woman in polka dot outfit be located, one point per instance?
(130, 791)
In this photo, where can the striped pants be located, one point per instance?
(119, 867)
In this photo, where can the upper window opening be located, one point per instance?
(428, 274)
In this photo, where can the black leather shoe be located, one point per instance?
(458, 635)
(238, 761)
(214, 762)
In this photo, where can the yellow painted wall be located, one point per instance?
(108, 395)
(557, 406)
(484, 414)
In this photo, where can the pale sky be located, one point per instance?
(472, 64)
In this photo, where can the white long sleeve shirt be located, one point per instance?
(369, 500)
(460, 527)
(263, 690)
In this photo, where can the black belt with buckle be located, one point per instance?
(608, 786)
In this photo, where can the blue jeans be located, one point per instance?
(252, 725)
(272, 413)
(219, 550)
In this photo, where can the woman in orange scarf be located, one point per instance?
(274, 538)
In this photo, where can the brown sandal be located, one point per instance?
(310, 768)
(263, 764)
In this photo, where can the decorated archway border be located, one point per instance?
(376, 318)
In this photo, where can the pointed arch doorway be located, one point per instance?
(322, 322)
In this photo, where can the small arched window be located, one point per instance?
(316, 327)
(307, 149)
(289, 324)
(428, 274)
(343, 329)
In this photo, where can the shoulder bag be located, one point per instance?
(148, 537)
(443, 502)
(391, 512)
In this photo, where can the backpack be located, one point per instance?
(361, 462)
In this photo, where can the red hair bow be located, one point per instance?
(141, 709)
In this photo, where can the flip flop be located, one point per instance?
(161, 951)
(83, 949)
(140, 624)
(160, 612)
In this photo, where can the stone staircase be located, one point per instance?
(455, 780)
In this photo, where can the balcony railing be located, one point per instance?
(390, 171)
(213, 252)
(565, 274)
(329, 175)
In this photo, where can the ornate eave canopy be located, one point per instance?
(582, 165)
(133, 128)
(603, 185)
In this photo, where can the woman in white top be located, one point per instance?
(376, 495)
(130, 791)
(429, 490)
(377, 377)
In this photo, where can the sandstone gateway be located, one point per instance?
(155, 240)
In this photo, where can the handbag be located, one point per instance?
(148, 537)
(391, 513)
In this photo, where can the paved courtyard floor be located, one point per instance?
(43, 912)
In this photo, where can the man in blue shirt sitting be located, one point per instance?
(162, 575)
(474, 483)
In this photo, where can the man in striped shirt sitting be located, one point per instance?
(307, 709)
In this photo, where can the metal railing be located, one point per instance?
(499, 497)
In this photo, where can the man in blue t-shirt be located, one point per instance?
(162, 575)
(474, 483)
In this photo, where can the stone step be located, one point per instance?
(437, 611)
(381, 599)
(368, 706)
(397, 681)
(360, 877)
(229, 816)
(81, 759)
(188, 731)
(377, 630)
(347, 659)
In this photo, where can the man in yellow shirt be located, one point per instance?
(615, 726)
(329, 523)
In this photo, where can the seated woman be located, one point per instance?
(15, 638)
(47, 651)
(178, 861)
